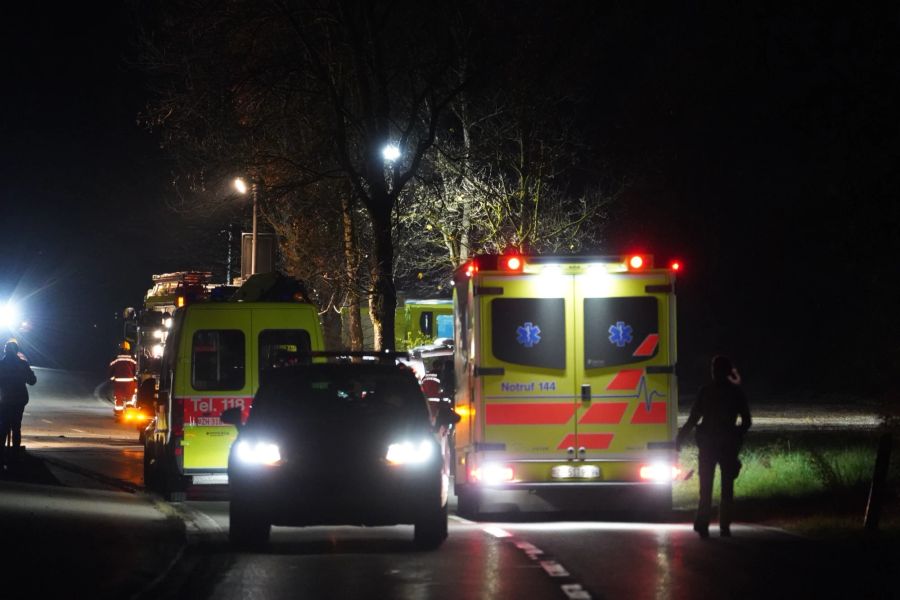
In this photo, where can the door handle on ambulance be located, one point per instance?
(586, 392)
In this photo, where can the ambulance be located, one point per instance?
(216, 356)
(416, 322)
(566, 384)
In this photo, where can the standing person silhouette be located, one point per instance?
(719, 438)
(15, 373)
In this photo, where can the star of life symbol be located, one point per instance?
(620, 334)
(528, 334)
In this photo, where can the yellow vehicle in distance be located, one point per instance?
(416, 322)
(216, 356)
(565, 381)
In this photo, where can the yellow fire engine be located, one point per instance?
(565, 381)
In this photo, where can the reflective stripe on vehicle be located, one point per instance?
(529, 414)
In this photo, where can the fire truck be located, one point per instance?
(566, 384)
(147, 328)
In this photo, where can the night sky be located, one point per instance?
(760, 144)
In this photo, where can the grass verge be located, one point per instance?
(813, 482)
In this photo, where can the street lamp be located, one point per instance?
(390, 152)
(241, 186)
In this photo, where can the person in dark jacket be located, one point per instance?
(15, 373)
(719, 439)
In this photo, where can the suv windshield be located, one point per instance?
(325, 391)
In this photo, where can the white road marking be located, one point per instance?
(554, 569)
(497, 532)
(574, 591)
(79, 430)
(46, 421)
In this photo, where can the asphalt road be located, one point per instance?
(75, 523)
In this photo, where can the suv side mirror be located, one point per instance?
(232, 416)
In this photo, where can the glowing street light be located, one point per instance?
(241, 186)
(391, 152)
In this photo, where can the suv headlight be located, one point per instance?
(258, 453)
(409, 453)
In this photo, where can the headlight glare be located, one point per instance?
(409, 453)
(258, 453)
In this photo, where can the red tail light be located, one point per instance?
(178, 416)
(471, 269)
(636, 262)
(512, 263)
(675, 265)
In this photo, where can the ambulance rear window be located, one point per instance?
(280, 348)
(217, 359)
(619, 331)
(529, 331)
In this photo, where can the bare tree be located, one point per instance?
(295, 92)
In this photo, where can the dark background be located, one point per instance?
(760, 146)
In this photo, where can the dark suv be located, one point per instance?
(347, 443)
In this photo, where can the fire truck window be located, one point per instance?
(529, 331)
(619, 331)
(282, 348)
(217, 359)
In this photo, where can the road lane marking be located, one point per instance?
(79, 430)
(46, 421)
(574, 591)
(497, 532)
(554, 569)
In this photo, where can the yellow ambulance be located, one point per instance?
(216, 356)
(565, 381)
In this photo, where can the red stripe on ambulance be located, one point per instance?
(656, 414)
(648, 346)
(529, 414)
(607, 413)
(592, 441)
(627, 379)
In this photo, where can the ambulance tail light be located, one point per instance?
(471, 269)
(675, 265)
(492, 474)
(178, 416)
(512, 263)
(660, 472)
(638, 262)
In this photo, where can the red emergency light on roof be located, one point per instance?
(636, 262)
(675, 265)
(471, 269)
(512, 263)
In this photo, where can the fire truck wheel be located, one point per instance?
(431, 530)
(246, 529)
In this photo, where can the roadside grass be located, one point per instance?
(812, 482)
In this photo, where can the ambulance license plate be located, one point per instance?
(573, 472)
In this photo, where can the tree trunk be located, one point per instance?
(384, 294)
(331, 326)
(351, 262)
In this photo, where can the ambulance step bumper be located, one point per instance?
(575, 497)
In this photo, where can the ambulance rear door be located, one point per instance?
(523, 363)
(624, 367)
(216, 367)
